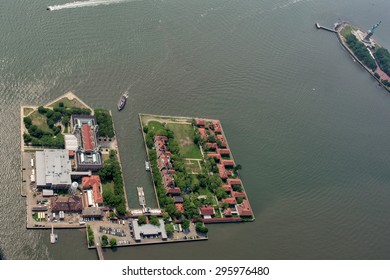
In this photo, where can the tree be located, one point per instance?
(169, 229)
(104, 240)
(146, 129)
(154, 220)
(141, 220)
(121, 208)
(113, 242)
(200, 227)
(27, 122)
(61, 104)
(27, 138)
(185, 224)
(65, 121)
(221, 193)
(237, 167)
(42, 110)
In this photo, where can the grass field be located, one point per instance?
(68, 103)
(192, 166)
(184, 135)
(40, 121)
(108, 186)
(346, 30)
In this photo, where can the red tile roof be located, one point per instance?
(239, 194)
(228, 212)
(223, 151)
(212, 146)
(229, 200)
(88, 144)
(217, 157)
(94, 183)
(202, 133)
(67, 204)
(168, 181)
(234, 181)
(174, 191)
(228, 162)
(228, 188)
(200, 122)
(245, 209)
(217, 126)
(222, 139)
(222, 171)
(207, 210)
(179, 206)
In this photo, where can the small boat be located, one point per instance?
(147, 165)
(122, 101)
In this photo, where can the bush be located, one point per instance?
(154, 220)
(27, 122)
(104, 240)
(113, 242)
(200, 227)
(169, 229)
(141, 220)
(104, 120)
(42, 110)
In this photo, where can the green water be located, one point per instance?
(308, 125)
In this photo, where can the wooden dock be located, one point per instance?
(99, 251)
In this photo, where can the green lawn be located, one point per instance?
(155, 126)
(108, 186)
(27, 111)
(346, 30)
(192, 166)
(40, 121)
(68, 103)
(184, 135)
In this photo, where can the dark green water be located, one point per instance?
(308, 125)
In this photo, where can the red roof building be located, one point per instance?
(202, 133)
(217, 126)
(234, 182)
(238, 194)
(173, 191)
(228, 212)
(93, 182)
(222, 171)
(180, 207)
(86, 133)
(222, 139)
(223, 152)
(227, 188)
(207, 210)
(200, 122)
(168, 181)
(245, 209)
(229, 200)
(228, 162)
(217, 157)
(212, 146)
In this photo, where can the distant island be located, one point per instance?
(374, 58)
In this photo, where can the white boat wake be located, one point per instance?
(90, 3)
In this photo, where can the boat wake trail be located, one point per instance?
(90, 3)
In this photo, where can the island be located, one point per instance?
(374, 58)
(72, 177)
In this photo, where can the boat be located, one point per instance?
(147, 165)
(122, 101)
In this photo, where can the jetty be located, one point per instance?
(99, 251)
(325, 28)
(53, 236)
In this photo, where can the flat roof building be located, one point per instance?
(53, 169)
(148, 230)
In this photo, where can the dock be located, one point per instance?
(99, 251)
(325, 28)
(53, 236)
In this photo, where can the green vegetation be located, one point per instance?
(382, 55)
(27, 111)
(44, 125)
(66, 102)
(200, 227)
(113, 242)
(360, 50)
(185, 134)
(346, 31)
(35, 217)
(104, 240)
(91, 239)
(154, 220)
(185, 224)
(169, 229)
(111, 174)
(141, 220)
(104, 120)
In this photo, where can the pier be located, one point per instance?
(325, 28)
(141, 197)
(99, 251)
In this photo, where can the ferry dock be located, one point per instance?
(325, 28)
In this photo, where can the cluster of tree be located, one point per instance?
(154, 220)
(112, 172)
(91, 239)
(382, 55)
(141, 220)
(361, 52)
(104, 240)
(113, 242)
(200, 227)
(169, 229)
(104, 120)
